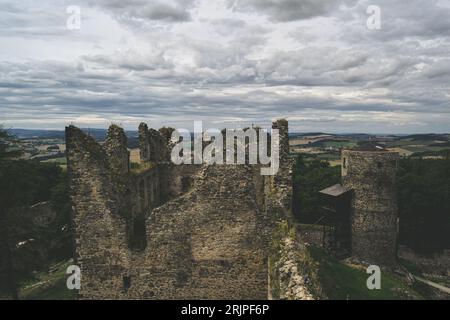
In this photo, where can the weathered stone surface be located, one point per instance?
(171, 232)
(290, 277)
(372, 177)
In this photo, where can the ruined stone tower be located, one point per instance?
(165, 231)
(371, 176)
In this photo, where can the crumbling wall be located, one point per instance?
(154, 145)
(100, 231)
(291, 275)
(372, 177)
(171, 232)
(206, 244)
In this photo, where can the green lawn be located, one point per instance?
(61, 160)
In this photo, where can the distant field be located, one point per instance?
(421, 148)
(61, 160)
(329, 156)
(401, 151)
(322, 146)
(306, 140)
(339, 144)
(335, 163)
(134, 156)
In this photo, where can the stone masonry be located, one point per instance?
(171, 232)
(371, 175)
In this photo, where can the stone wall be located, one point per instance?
(100, 230)
(171, 232)
(292, 279)
(207, 243)
(372, 177)
(292, 272)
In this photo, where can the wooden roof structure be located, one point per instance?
(334, 191)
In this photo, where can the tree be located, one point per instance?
(309, 178)
(7, 151)
(424, 204)
(5, 247)
(24, 183)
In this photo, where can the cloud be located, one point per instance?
(172, 62)
(288, 10)
(156, 10)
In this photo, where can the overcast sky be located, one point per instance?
(228, 63)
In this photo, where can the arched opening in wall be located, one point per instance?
(126, 283)
(138, 238)
(344, 163)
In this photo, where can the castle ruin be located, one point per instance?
(166, 231)
(371, 175)
(362, 211)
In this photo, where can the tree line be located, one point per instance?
(24, 183)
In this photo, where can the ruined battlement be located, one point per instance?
(153, 144)
(171, 231)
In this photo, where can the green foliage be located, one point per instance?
(424, 204)
(8, 149)
(423, 198)
(309, 179)
(24, 183)
(49, 285)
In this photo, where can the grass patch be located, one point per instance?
(137, 168)
(340, 281)
(309, 227)
(61, 160)
(49, 286)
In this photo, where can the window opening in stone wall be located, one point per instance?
(126, 283)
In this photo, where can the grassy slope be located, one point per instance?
(49, 286)
(341, 281)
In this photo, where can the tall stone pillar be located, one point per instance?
(371, 175)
